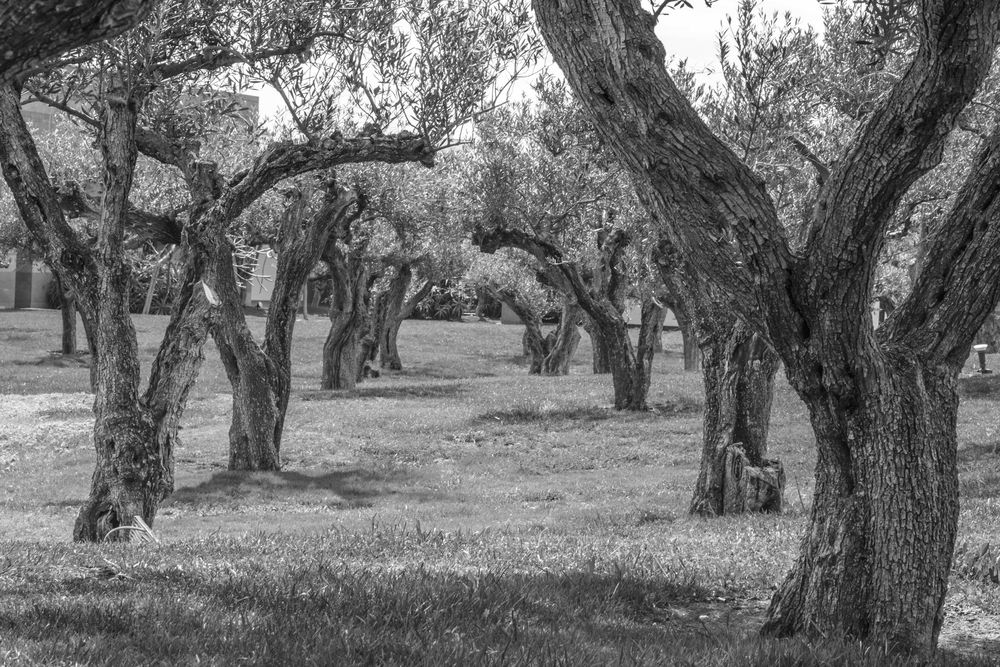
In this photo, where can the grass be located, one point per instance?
(458, 512)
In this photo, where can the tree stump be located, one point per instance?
(748, 488)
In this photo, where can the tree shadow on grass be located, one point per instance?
(681, 406)
(448, 390)
(473, 368)
(531, 414)
(58, 360)
(285, 605)
(348, 488)
(986, 387)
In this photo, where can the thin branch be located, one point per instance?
(61, 106)
(822, 171)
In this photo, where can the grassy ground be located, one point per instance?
(457, 512)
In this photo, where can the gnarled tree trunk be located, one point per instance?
(600, 354)
(135, 437)
(534, 342)
(389, 347)
(875, 559)
(342, 353)
(630, 366)
(739, 372)
(874, 562)
(565, 341)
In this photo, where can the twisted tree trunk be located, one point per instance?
(535, 344)
(342, 353)
(739, 372)
(601, 296)
(564, 343)
(135, 437)
(400, 308)
(882, 526)
(599, 346)
(874, 562)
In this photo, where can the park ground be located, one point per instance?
(457, 512)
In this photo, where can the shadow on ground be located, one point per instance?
(980, 386)
(536, 413)
(475, 368)
(449, 390)
(350, 488)
(58, 360)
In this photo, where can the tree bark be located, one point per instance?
(32, 31)
(342, 362)
(882, 527)
(135, 441)
(134, 437)
(565, 341)
(67, 309)
(874, 563)
(739, 375)
(658, 333)
(601, 297)
(535, 344)
(389, 345)
(600, 354)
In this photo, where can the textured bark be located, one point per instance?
(658, 332)
(564, 343)
(260, 375)
(600, 354)
(389, 348)
(342, 360)
(874, 563)
(739, 372)
(32, 31)
(134, 436)
(67, 309)
(690, 351)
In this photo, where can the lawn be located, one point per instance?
(457, 512)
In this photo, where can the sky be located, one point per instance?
(691, 32)
(686, 33)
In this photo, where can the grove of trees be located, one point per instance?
(821, 172)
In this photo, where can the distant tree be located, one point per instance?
(883, 404)
(421, 240)
(522, 288)
(541, 184)
(134, 92)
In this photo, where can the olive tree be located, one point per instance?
(874, 562)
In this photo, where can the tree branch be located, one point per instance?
(711, 205)
(285, 160)
(902, 140)
(221, 56)
(822, 171)
(31, 31)
(959, 283)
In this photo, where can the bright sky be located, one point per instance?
(687, 33)
(691, 32)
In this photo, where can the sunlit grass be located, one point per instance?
(459, 512)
